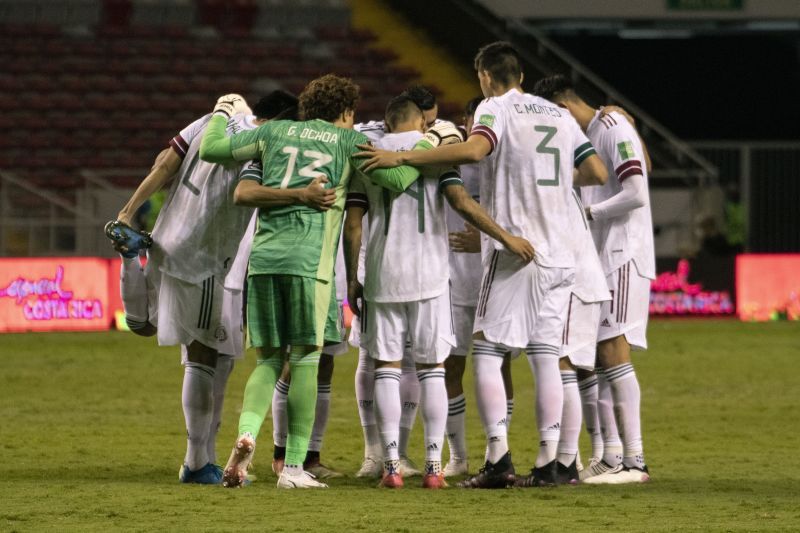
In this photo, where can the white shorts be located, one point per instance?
(519, 304)
(463, 320)
(205, 312)
(627, 311)
(355, 332)
(426, 324)
(579, 341)
(340, 347)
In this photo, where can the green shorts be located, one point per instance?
(291, 310)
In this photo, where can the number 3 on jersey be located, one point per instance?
(542, 148)
(318, 160)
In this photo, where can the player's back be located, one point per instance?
(629, 236)
(198, 230)
(296, 239)
(525, 180)
(407, 250)
(465, 268)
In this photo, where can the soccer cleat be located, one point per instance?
(208, 475)
(304, 480)
(456, 467)
(595, 468)
(126, 240)
(619, 475)
(434, 481)
(235, 473)
(407, 467)
(567, 475)
(391, 479)
(492, 476)
(321, 471)
(544, 476)
(370, 468)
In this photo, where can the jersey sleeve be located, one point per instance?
(396, 179)
(252, 170)
(217, 147)
(621, 147)
(489, 122)
(449, 176)
(180, 143)
(583, 146)
(357, 195)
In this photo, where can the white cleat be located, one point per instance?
(407, 468)
(619, 475)
(456, 467)
(304, 480)
(595, 468)
(371, 468)
(235, 473)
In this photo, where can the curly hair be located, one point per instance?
(328, 97)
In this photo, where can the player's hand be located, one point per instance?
(315, 195)
(231, 104)
(606, 110)
(355, 292)
(519, 247)
(376, 158)
(467, 241)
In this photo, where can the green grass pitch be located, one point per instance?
(91, 438)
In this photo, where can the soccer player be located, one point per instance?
(619, 214)
(406, 302)
(527, 147)
(291, 263)
(190, 292)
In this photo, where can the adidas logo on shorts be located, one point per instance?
(605, 323)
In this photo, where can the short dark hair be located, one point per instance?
(328, 97)
(501, 60)
(554, 88)
(400, 109)
(422, 96)
(280, 105)
(472, 105)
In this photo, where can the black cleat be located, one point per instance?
(567, 475)
(540, 476)
(499, 475)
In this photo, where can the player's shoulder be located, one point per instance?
(613, 125)
(372, 125)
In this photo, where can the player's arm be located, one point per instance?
(473, 150)
(355, 210)
(611, 108)
(472, 212)
(250, 193)
(217, 147)
(396, 179)
(165, 166)
(632, 196)
(591, 171)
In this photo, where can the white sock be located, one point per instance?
(197, 398)
(387, 410)
(456, 428)
(612, 445)
(627, 398)
(588, 392)
(570, 418)
(490, 396)
(221, 375)
(433, 403)
(409, 396)
(280, 417)
(365, 397)
(133, 290)
(549, 398)
(320, 417)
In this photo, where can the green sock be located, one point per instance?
(258, 394)
(301, 405)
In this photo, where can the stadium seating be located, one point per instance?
(110, 94)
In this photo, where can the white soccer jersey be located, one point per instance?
(629, 236)
(526, 179)
(465, 269)
(374, 129)
(235, 278)
(590, 280)
(199, 228)
(407, 250)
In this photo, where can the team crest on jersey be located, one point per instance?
(220, 334)
(625, 150)
(486, 120)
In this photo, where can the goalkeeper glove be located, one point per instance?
(441, 134)
(231, 104)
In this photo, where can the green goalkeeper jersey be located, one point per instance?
(298, 240)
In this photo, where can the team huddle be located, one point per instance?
(526, 230)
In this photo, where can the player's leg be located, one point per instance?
(409, 397)
(280, 419)
(365, 397)
(587, 387)
(133, 288)
(197, 400)
(612, 445)
(223, 372)
(463, 320)
(313, 463)
(509, 386)
(566, 467)
(433, 404)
